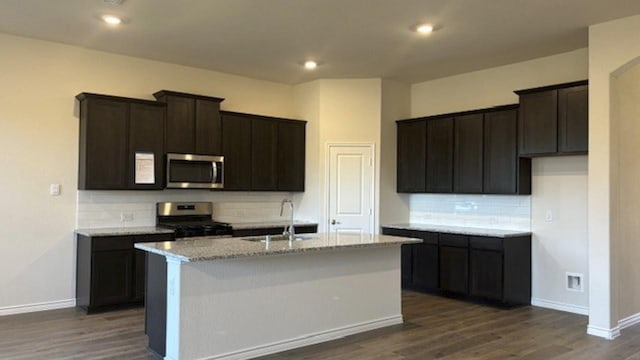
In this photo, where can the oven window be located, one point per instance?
(190, 171)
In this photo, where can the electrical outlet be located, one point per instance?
(575, 282)
(124, 217)
(548, 216)
(54, 189)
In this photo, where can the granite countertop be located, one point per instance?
(268, 224)
(202, 249)
(464, 230)
(142, 230)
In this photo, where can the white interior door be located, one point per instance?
(351, 189)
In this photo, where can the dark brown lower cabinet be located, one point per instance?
(482, 267)
(425, 267)
(139, 273)
(485, 274)
(454, 269)
(406, 264)
(419, 262)
(110, 272)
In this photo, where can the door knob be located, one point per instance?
(333, 222)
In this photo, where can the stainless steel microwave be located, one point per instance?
(188, 171)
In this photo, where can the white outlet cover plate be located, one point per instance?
(54, 189)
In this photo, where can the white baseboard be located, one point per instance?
(27, 308)
(608, 334)
(555, 305)
(307, 340)
(629, 321)
(611, 334)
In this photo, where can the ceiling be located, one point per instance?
(269, 39)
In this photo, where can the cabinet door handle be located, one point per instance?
(334, 222)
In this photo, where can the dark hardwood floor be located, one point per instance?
(434, 328)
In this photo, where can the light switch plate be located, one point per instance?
(54, 189)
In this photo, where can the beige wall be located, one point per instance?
(612, 47)
(396, 104)
(351, 112)
(565, 249)
(339, 111)
(625, 168)
(495, 86)
(39, 140)
(309, 205)
(559, 186)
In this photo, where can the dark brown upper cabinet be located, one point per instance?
(291, 155)
(112, 130)
(236, 148)
(470, 152)
(554, 120)
(439, 167)
(468, 157)
(193, 123)
(411, 156)
(504, 172)
(146, 135)
(263, 153)
(573, 119)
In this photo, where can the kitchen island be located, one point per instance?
(238, 298)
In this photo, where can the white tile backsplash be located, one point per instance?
(99, 209)
(488, 211)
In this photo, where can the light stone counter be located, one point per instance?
(463, 230)
(123, 231)
(202, 249)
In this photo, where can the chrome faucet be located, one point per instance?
(288, 230)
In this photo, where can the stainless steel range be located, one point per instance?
(190, 219)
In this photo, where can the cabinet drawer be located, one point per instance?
(396, 232)
(104, 243)
(486, 243)
(430, 238)
(306, 229)
(454, 240)
(153, 238)
(258, 232)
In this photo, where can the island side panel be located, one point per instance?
(155, 301)
(175, 325)
(246, 307)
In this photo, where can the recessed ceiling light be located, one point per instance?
(424, 29)
(111, 20)
(310, 64)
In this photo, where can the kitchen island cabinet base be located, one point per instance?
(247, 307)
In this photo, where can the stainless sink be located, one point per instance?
(279, 238)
